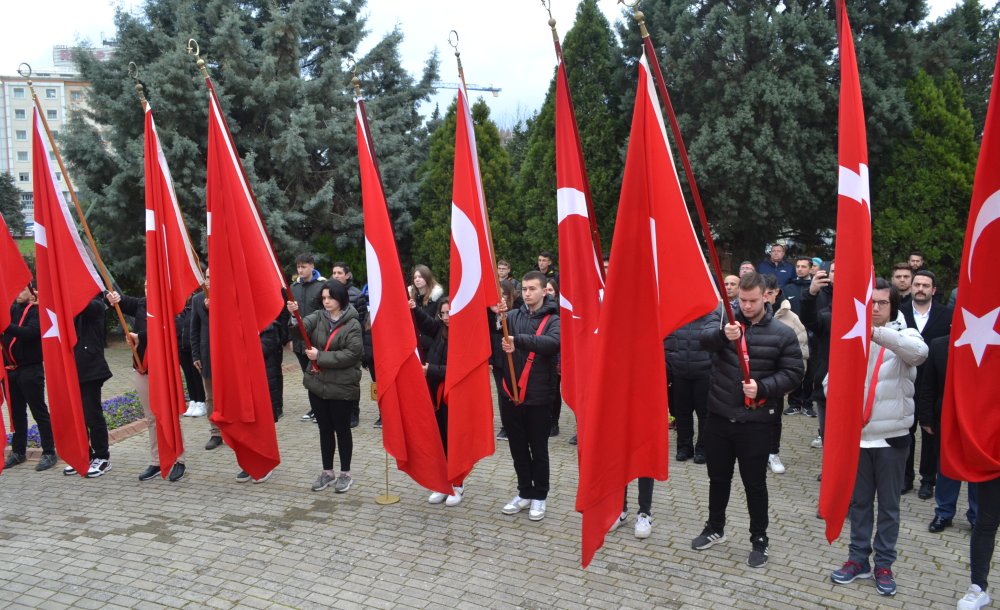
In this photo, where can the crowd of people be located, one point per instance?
(781, 313)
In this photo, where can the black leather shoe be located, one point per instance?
(213, 442)
(938, 525)
(926, 491)
(176, 473)
(699, 457)
(354, 421)
(684, 454)
(150, 472)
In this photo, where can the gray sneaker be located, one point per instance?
(48, 461)
(323, 481)
(343, 483)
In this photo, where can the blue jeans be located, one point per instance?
(946, 496)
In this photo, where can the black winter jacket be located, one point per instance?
(183, 325)
(90, 339)
(199, 335)
(435, 349)
(775, 364)
(26, 336)
(685, 357)
(543, 380)
(817, 317)
(794, 290)
(136, 307)
(930, 384)
(308, 295)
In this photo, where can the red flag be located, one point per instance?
(659, 275)
(473, 289)
(409, 428)
(851, 327)
(970, 421)
(67, 282)
(171, 275)
(246, 297)
(581, 284)
(14, 276)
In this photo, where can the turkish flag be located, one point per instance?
(171, 275)
(409, 427)
(658, 274)
(970, 420)
(246, 297)
(851, 327)
(67, 282)
(14, 276)
(473, 289)
(581, 285)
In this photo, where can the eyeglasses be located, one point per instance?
(880, 303)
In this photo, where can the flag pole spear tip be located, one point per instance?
(193, 48)
(355, 80)
(458, 54)
(133, 73)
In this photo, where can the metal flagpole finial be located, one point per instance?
(133, 73)
(453, 41)
(24, 69)
(355, 80)
(552, 20)
(640, 18)
(194, 49)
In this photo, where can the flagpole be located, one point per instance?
(592, 217)
(133, 72)
(688, 172)
(83, 220)
(194, 49)
(515, 390)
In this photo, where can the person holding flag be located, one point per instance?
(886, 417)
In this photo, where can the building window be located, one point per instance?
(24, 177)
(50, 94)
(22, 155)
(76, 96)
(19, 93)
(21, 135)
(20, 114)
(52, 115)
(52, 156)
(58, 177)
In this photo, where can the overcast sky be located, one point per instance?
(504, 44)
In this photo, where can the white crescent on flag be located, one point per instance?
(467, 243)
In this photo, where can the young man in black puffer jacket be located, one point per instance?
(741, 415)
(688, 367)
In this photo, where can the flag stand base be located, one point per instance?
(386, 498)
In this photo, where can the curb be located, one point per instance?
(33, 454)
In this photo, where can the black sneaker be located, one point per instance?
(684, 454)
(699, 456)
(709, 537)
(14, 459)
(149, 473)
(809, 412)
(48, 461)
(758, 554)
(242, 477)
(355, 421)
(572, 440)
(554, 430)
(502, 434)
(793, 410)
(177, 472)
(378, 423)
(310, 416)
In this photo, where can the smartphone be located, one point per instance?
(825, 266)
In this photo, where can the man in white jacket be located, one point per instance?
(895, 353)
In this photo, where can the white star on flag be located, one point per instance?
(53, 331)
(979, 333)
(860, 328)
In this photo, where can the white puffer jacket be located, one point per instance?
(892, 412)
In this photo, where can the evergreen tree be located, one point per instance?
(596, 77)
(10, 205)
(432, 224)
(925, 199)
(282, 73)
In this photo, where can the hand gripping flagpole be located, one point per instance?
(109, 286)
(688, 172)
(514, 389)
(194, 49)
(592, 217)
(386, 498)
(133, 72)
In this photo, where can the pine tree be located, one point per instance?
(10, 204)
(432, 224)
(596, 78)
(282, 73)
(925, 199)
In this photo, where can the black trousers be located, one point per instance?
(928, 457)
(556, 408)
(27, 390)
(802, 396)
(93, 416)
(527, 429)
(727, 443)
(645, 496)
(687, 398)
(984, 534)
(196, 389)
(275, 382)
(333, 417)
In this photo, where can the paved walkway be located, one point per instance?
(208, 541)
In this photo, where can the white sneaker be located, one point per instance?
(643, 526)
(437, 497)
(456, 498)
(774, 461)
(537, 512)
(622, 518)
(202, 410)
(817, 443)
(515, 506)
(190, 410)
(975, 598)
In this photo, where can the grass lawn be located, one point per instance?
(26, 245)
